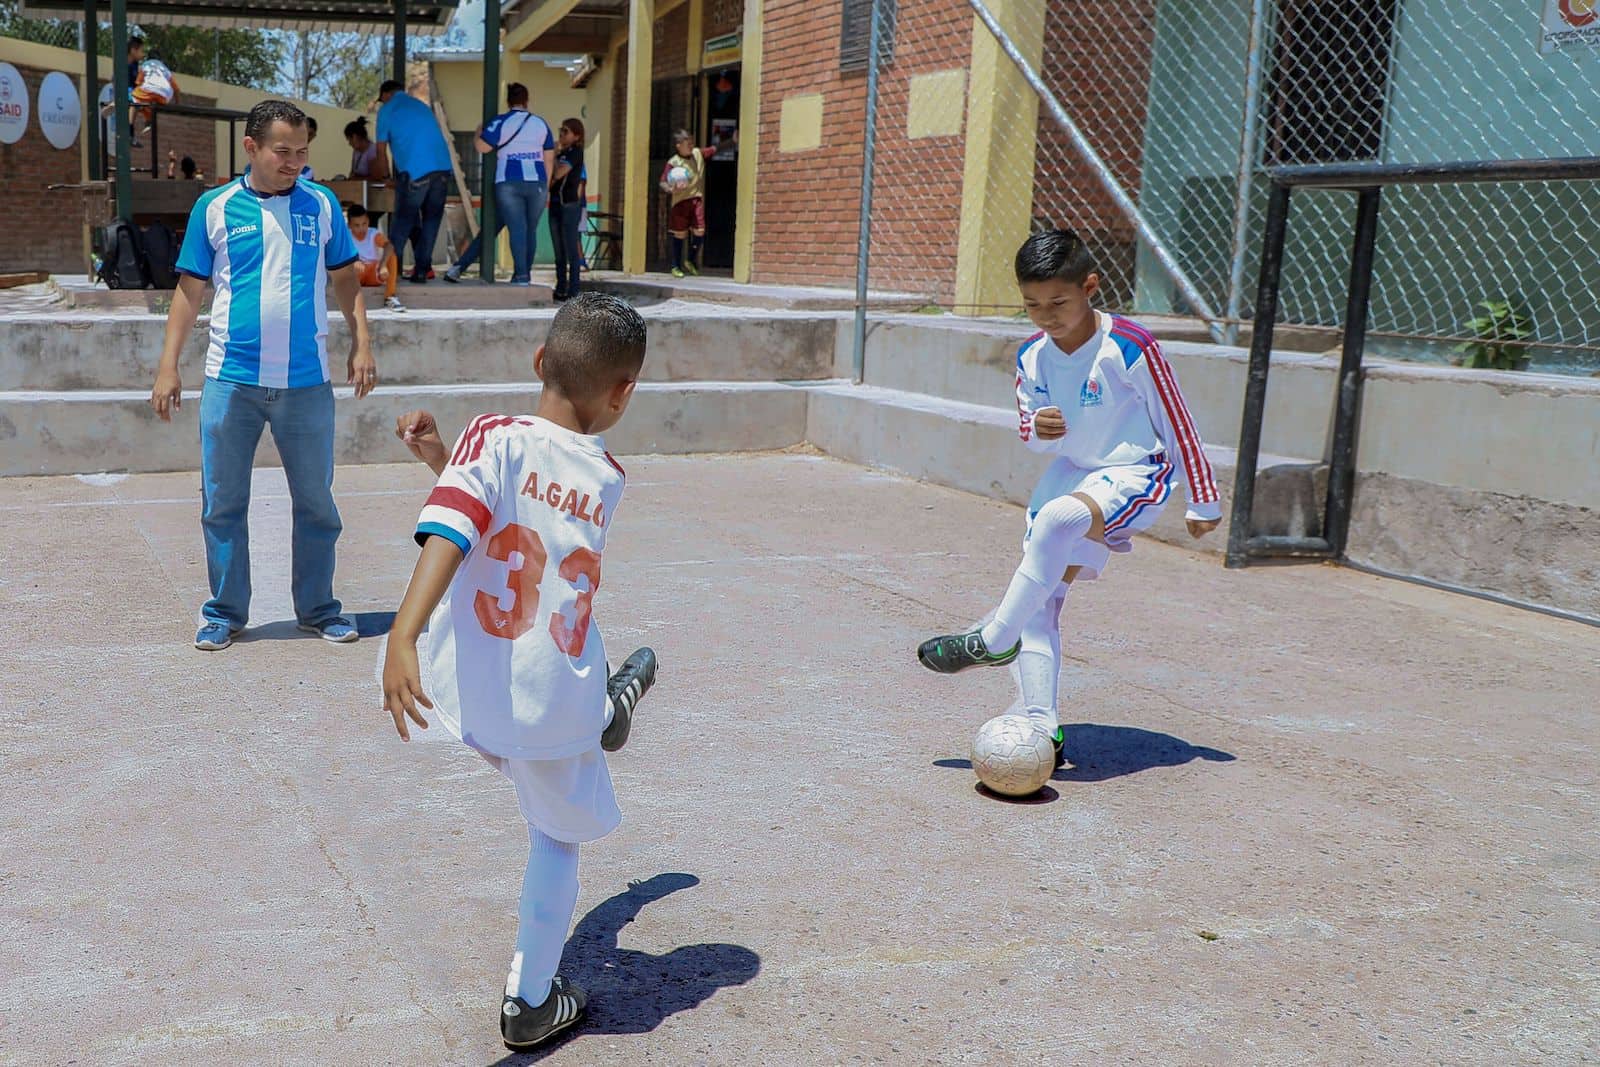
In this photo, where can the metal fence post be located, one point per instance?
(858, 350)
(1255, 390)
(1342, 458)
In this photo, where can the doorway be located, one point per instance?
(720, 94)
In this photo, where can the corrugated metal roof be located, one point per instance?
(352, 16)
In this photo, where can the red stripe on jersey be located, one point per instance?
(482, 439)
(471, 437)
(1196, 467)
(613, 461)
(459, 500)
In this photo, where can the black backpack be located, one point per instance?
(161, 256)
(122, 259)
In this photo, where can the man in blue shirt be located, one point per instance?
(268, 243)
(420, 163)
(521, 177)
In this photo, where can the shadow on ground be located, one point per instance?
(1096, 753)
(368, 624)
(633, 992)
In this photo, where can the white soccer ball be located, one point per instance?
(1013, 755)
(678, 177)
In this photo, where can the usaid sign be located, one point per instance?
(60, 114)
(13, 104)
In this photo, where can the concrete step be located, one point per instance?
(89, 431)
(114, 351)
(974, 447)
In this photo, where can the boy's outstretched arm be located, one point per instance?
(402, 675)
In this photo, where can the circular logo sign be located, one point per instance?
(60, 113)
(13, 104)
(1579, 12)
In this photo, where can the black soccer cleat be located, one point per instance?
(957, 652)
(1059, 740)
(626, 688)
(522, 1027)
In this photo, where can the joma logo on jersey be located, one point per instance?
(305, 229)
(1089, 396)
(243, 228)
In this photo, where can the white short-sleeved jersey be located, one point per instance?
(1122, 407)
(518, 666)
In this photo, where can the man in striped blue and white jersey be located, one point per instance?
(269, 243)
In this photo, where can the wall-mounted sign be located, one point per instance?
(60, 113)
(13, 104)
(724, 49)
(1568, 23)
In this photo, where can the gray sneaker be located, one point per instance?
(522, 1027)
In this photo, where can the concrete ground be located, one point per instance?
(1312, 816)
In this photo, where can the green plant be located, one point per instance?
(1500, 332)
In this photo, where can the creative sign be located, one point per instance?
(1569, 23)
(724, 49)
(13, 104)
(60, 113)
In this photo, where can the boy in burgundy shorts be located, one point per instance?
(684, 177)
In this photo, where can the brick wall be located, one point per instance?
(1111, 110)
(916, 197)
(807, 202)
(722, 17)
(669, 59)
(43, 229)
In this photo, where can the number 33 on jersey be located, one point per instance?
(515, 650)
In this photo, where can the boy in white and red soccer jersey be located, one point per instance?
(1094, 391)
(512, 538)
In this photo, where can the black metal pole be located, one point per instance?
(1255, 390)
(1342, 460)
(400, 48)
(119, 107)
(491, 108)
(91, 86)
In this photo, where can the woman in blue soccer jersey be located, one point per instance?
(268, 243)
(525, 156)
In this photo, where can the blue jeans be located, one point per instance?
(418, 211)
(231, 419)
(567, 243)
(521, 205)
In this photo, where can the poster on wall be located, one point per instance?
(60, 114)
(13, 104)
(1568, 24)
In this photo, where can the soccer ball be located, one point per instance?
(1013, 755)
(678, 177)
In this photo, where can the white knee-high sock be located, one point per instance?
(1039, 663)
(544, 914)
(1057, 529)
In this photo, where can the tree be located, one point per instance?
(343, 69)
(236, 57)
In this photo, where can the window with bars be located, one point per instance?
(855, 34)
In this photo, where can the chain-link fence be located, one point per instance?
(1148, 125)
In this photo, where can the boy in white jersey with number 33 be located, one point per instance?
(512, 538)
(1094, 391)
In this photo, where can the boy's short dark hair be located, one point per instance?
(135, 42)
(188, 166)
(264, 114)
(1054, 254)
(596, 341)
(355, 211)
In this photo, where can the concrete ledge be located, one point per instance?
(81, 432)
(120, 351)
(1530, 550)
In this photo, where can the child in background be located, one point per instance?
(686, 221)
(311, 135)
(375, 263)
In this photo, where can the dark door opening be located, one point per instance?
(721, 95)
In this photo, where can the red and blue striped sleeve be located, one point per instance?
(462, 504)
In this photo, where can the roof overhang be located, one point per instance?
(423, 17)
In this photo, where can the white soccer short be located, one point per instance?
(569, 799)
(1130, 498)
